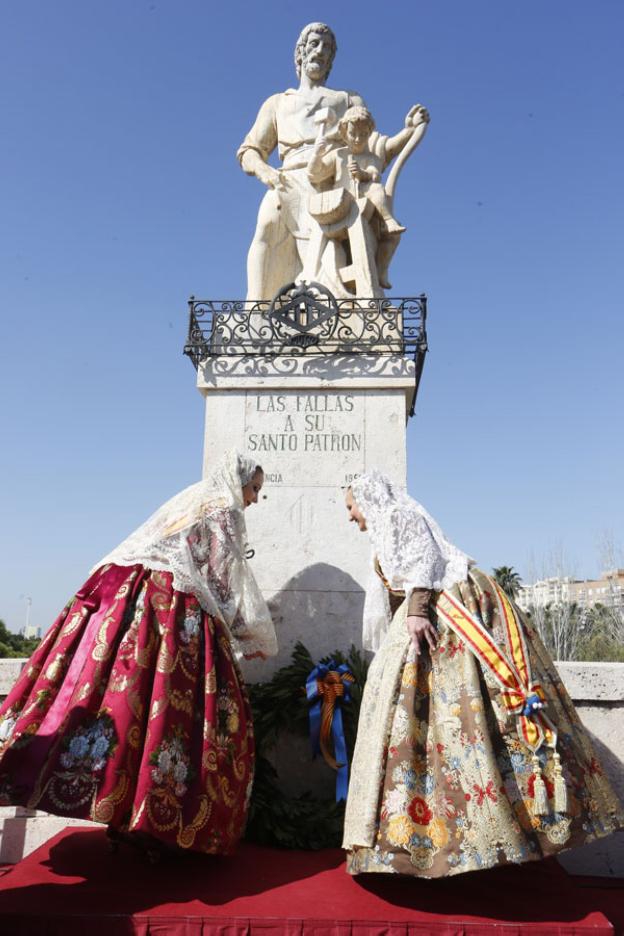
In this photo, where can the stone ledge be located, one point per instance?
(9, 671)
(24, 830)
(335, 371)
(586, 682)
(593, 682)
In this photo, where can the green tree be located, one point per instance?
(15, 645)
(508, 579)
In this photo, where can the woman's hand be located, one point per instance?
(419, 627)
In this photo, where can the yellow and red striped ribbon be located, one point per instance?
(512, 672)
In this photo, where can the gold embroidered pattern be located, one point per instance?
(104, 809)
(74, 622)
(211, 682)
(55, 669)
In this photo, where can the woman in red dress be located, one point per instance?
(132, 711)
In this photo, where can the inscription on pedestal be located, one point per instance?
(285, 431)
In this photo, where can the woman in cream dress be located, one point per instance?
(469, 751)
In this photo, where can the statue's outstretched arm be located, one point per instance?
(416, 123)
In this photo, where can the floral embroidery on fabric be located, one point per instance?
(440, 781)
(171, 764)
(84, 754)
(88, 749)
(228, 720)
(191, 628)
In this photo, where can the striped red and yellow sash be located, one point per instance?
(510, 668)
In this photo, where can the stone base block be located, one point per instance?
(24, 830)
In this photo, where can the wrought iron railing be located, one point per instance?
(304, 321)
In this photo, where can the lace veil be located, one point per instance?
(201, 538)
(412, 550)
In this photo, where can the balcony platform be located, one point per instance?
(75, 885)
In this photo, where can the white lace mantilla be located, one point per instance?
(412, 550)
(201, 538)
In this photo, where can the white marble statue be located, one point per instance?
(326, 161)
(356, 233)
(287, 120)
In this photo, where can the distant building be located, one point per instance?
(608, 590)
(30, 631)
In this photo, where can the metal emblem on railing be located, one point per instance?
(307, 321)
(304, 314)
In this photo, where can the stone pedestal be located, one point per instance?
(314, 423)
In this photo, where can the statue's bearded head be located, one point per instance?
(315, 51)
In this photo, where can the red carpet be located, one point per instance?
(74, 886)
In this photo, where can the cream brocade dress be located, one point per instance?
(441, 782)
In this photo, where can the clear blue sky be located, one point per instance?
(121, 196)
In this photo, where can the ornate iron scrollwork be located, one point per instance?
(307, 320)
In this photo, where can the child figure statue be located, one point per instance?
(364, 166)
(355, 170)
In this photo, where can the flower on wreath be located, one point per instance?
(419, 812)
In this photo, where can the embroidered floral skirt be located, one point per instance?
(132, 712)
(441, 782)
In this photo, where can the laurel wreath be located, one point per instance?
(280, 705)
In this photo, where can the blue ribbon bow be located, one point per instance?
(327, 687)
